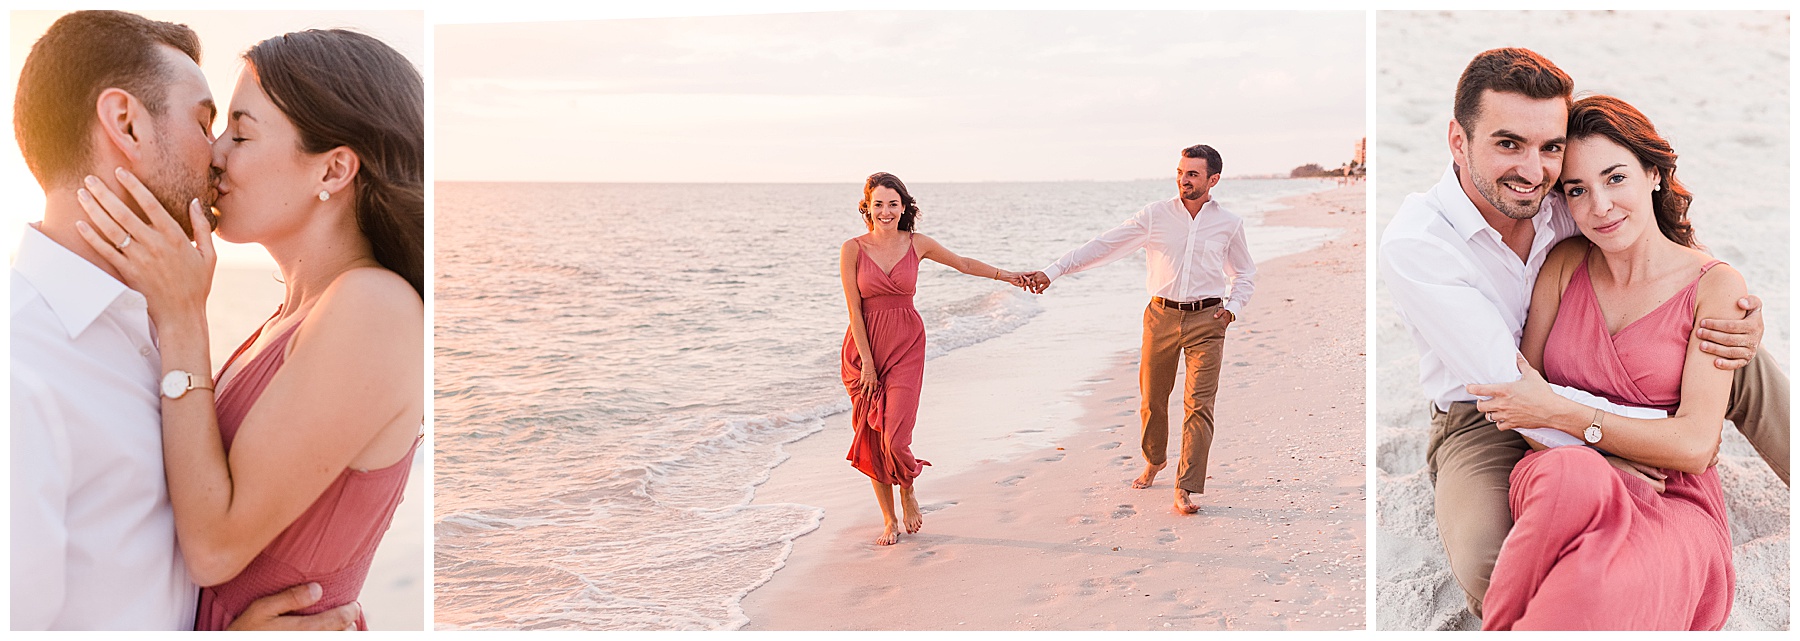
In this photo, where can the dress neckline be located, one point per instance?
(910, 248)
(1594, 297)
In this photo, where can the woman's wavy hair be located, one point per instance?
(890, 181)
(1623, 124)
(346, 89)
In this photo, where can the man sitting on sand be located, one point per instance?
(93, 534)
(1460, 261)
(1201, 277)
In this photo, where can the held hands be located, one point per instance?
(1034, 282)
(1525, 403)
(155, 257)
(1733, 341)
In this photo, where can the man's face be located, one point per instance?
(1194, 178)
(178, 164)
(1512, 154)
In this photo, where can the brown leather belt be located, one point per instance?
(1187, 306)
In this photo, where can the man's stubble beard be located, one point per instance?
(174, 185)
(1496, 196)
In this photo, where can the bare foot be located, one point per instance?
(910, 510)
(1182, 504)
(1149, 477)
(889, 534)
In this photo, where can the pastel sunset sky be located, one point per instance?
(931, 95)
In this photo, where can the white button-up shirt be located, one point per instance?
(93, 535)
(1461, 291)
(1190, 257)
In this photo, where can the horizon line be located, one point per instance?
(833, 182)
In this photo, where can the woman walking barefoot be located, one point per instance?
(884, 349)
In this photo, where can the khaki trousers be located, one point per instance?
(1471, 462)
(1168, 333)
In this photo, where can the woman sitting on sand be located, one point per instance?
(289, 472)
(1629, 533)
(884, 349)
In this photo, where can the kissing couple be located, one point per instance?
(138, 471)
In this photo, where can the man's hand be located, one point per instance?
(271, 612)
(1229, 317)
(1733, 341)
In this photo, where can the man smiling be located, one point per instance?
(1460, 261)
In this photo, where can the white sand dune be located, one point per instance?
(1716, 85)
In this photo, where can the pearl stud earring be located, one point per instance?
(324, 195)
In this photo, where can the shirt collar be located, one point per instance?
(1466, 219)
(1175, 205)
(76, 291)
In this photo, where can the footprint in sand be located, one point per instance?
(1167, 536)
(1120, 399)
(1108, 446)
(928, 508)
(1010, 480)
(1052, 458)
(1123, 511)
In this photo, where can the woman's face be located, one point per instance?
(1609, 192)
(885, 208)
(266, 184)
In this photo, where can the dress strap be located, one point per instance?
(1708, 267)
(247, 343)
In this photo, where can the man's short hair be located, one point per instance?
(1214, 164)
(83, 54)
(1510, 70)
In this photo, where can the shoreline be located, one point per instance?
(1042, 529)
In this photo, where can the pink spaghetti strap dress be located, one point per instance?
(1592, 547)
(333, 541)
(884, 419)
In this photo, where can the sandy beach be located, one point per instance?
(1734, 156)
(1030, 520)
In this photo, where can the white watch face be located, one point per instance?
(1592, 434)
(175, 384)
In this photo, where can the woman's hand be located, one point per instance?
(1525, 403)
(155, 257)
(869, 382)
(1649, 473)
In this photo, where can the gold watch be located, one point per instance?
(178, 383)
(1592, 433)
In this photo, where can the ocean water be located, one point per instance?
(618, 367)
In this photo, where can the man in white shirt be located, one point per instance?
(1460, 261)
(1200, 278)
(93, 534)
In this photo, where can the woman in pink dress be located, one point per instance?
(884, 349)
(290, 472)
(1628, 532)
